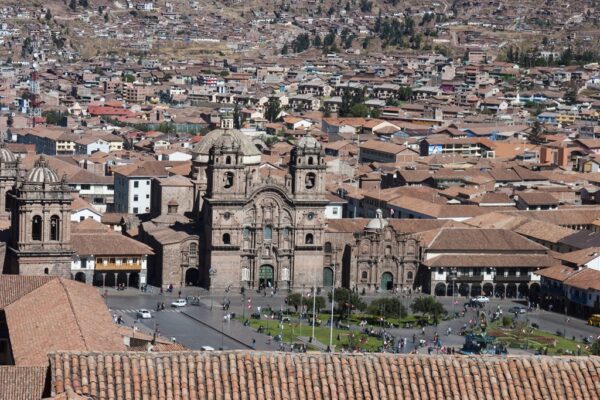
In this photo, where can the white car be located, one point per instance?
(482, 299)
(179, 303)
(144, 314)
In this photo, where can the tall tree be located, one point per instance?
(536, 136)
(237, 117)
(273, 109)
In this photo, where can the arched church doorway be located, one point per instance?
(387, 281)
(265, 276)
(327, 277)
(192, 275)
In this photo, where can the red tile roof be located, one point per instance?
(22, 383)
(257, 375)
(59, 315)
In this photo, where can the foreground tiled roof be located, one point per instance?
(22, 383)
(59, 315)
(258, 375)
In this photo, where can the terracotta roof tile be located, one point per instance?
(59, 315)
(22, 383)
(256, 375)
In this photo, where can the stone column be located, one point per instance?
(104, 279)
(128, 273)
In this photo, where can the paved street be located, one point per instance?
(195, 325)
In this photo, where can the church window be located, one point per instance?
(226, 238)
(310, 180)
(327, 247)
(36, 228)
(227, 215)
(228, 180)
(228, 160)
(310, 161)
(268, 233)
(246, 232)
(309, 239)
(310, 216)
(409, 275)
(364, 275)
(193, 249)
(286, 232)
(54, 227)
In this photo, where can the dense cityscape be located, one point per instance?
(300, 199)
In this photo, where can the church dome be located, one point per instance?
(42, 173)
(309, 142)
(378, 222)
(6, 156)
(228, 139)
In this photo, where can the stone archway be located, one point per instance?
(475, 289)
(499, 292)
(440, 289)
(463, 289)
(488, 289)
(511, 291)
(80, 277)
(122, 279)
(523, 290)
(134, 280)
(97, 281)
(387, 281)
(192, 276)
(327, 277)
(110, 280)
(265, 276)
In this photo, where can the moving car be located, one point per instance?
(482, 299)
(517, 309)
(179, 303)
(144, 314)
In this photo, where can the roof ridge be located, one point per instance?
(85, 345)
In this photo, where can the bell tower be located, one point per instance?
(307, 169)
(41, 224)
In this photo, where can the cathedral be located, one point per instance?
(253, 230)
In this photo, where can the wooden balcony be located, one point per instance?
(119, 267)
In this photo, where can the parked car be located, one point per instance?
(517, 309)
(179, 303)
(482, 299)
(144, 314)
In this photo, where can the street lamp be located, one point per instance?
(211, 272)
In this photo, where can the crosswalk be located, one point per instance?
(133, 311)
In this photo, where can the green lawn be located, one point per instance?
(535, 339)
(292, 330)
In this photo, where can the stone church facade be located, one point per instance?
(256, 231)
(40, 236)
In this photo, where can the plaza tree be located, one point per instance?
(347, 301)
(296, 300)
(387, 307)
(428, 306)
